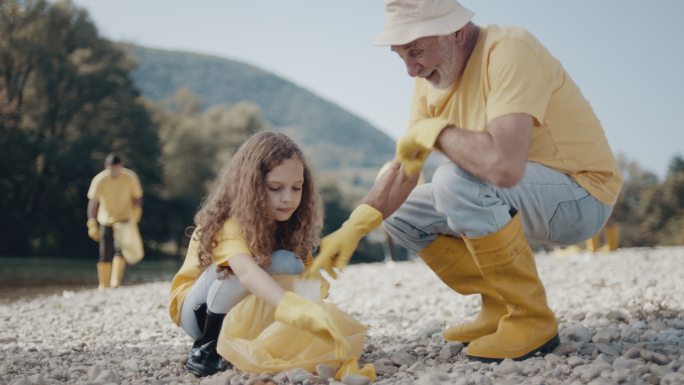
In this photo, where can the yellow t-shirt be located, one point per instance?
(510, 71)
(230, 242)
(115, 195)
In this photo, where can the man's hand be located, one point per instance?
(417, 143)
(93, 229)
(338, 247)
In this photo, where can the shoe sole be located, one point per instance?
(544, 349)
(199, 371)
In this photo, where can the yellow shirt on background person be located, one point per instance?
(230, 242)
(115, 195)
(508, 72)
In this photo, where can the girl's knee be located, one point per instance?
(285, 262)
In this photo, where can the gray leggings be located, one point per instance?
(554, 209)
(221, 295)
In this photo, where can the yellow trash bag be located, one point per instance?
(254, 342)
(130, 242)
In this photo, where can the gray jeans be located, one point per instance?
(554, 209)
(221, 295)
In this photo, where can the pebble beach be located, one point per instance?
(621, 317)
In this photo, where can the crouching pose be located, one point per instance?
(528, 161)
(262, 218)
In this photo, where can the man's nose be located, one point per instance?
(412, 67)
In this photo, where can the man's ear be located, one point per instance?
(460, 36)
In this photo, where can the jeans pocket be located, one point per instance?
(577, 220)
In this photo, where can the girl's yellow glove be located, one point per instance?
(417, 143)
(338, 247)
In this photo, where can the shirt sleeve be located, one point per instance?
(231, 242)
(517, 80)
(93, 189)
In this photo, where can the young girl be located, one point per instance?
(261, 218)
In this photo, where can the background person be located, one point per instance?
(115, 195)
(528, 160)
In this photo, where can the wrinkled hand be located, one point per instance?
(338, 247)
(417, 143)
(93, 229)
(299, 312)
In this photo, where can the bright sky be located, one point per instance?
(625, 55)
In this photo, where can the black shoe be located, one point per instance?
(204, 360)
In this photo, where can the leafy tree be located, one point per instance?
(665, 209)
(337, 210)
(66, 99)
(628, 212)
(196, 144)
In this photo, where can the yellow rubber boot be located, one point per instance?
(612, 232)
(450, 259)
(593, 243)
(104, 271)
(507, 263)
(118, 268)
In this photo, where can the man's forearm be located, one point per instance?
(497, 155)
(92, 208)
(390, 190)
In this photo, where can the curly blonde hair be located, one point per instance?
(240, 193)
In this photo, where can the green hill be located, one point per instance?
(332, 137)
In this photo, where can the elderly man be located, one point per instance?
(528, 161)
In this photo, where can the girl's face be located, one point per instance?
(284, 189)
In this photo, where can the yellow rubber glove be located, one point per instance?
(136, 214)
(93, 229)
(325, 286)
(338, 247)
(417, 143)
(299, 312)
(315, 275)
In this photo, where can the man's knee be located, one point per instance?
(404, 234)
(454, 188)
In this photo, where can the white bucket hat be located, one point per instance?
(408, 20)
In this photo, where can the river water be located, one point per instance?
(25, 277)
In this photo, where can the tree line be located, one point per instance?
(67, 99)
